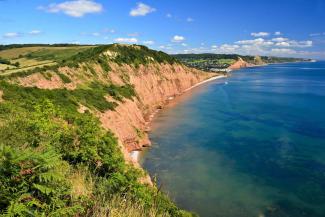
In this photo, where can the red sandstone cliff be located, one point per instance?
(154, 84)
(240, 63)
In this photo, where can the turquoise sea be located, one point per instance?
(252, 145)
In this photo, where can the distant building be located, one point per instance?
(220, 70)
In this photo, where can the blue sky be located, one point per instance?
(278, 27)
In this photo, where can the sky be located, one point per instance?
(252, 27)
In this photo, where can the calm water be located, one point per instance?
(252, 147)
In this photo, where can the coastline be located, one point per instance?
(135, 155)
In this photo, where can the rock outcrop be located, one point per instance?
(240, 63)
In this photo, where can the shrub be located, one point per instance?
(64, 78)
(44, 141)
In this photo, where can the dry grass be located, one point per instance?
(38, 57)
(122, 207)
(15, 52)
(11, 71)
(82, 184)
(24, 62)
(1, 94)
(5, 66)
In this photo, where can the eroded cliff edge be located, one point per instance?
(154, 85)
(152, 75)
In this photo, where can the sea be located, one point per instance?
(250, 145)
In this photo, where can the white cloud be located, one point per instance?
(283, 44)
(189, 19)
(280, 39)
(141, 10)
(169, 15)
(76, 8)
(11, 35)
(257, 41)
(253, 41)
(293, 43)
(276, 46)
(126, 40)
(178, 38)
(148, 42)
(260, 34)
(302, 44)
(277, 33)
(35, 32)
(228, 48)
(283, 51)
(184, 44)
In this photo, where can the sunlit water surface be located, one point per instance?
(251, 146)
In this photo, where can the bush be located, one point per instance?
(42, 146)
(4, 61)
(64, 78)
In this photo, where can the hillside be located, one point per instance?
(217, 62)
(69, 118)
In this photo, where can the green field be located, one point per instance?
(29, 58)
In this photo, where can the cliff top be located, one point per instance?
(16, 60)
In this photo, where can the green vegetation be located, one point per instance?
(92, 96)
(208, 62)
(12, 46)
(4, 61)
(29, 59)
(64, 78)
(123, 54)
(7, 62)
(37, 58)
(55, 161)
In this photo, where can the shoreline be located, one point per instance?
(135, 155)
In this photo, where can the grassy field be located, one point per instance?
(5, 66)
(31, 57)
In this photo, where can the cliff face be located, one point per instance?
(153, 83)
(240, 64)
